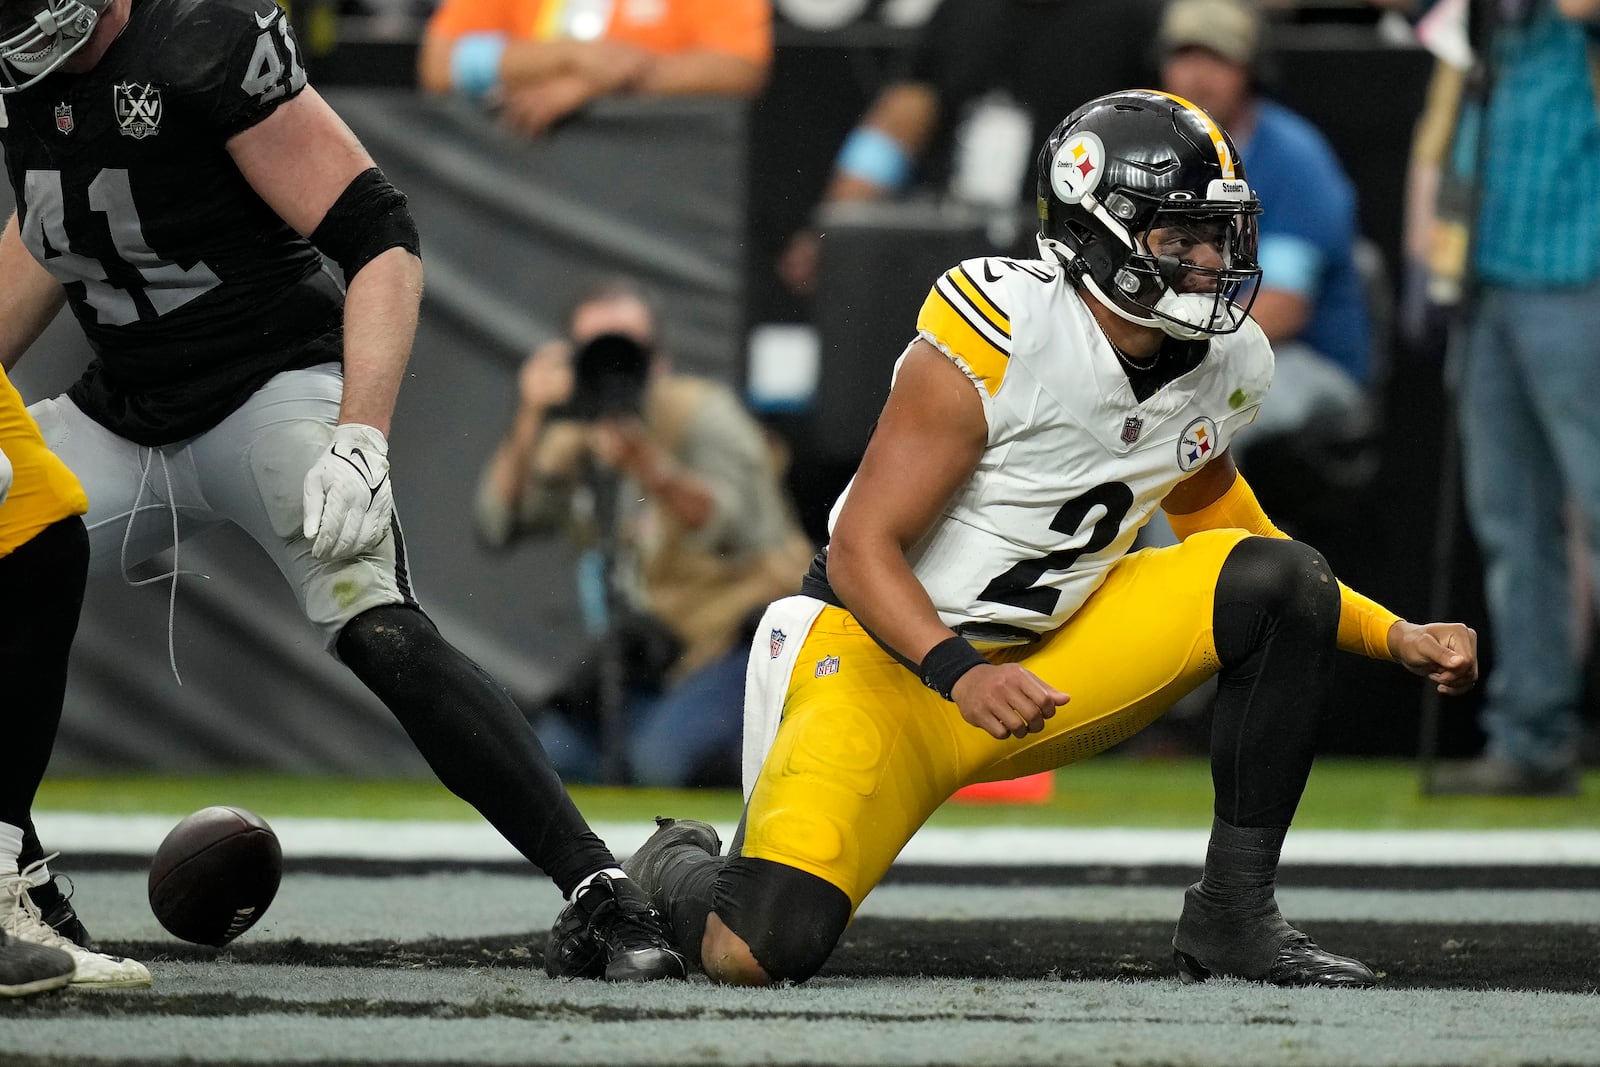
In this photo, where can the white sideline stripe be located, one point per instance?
(305, 838)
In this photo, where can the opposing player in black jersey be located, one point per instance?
(178, 184)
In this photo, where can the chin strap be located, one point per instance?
(1196, 316)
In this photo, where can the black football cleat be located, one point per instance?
(27, 968)
(55, 908)
(610, 930)
(644, 866)
(1212, 941)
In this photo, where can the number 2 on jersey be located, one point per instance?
(1016, 586)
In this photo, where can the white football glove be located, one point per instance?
(347, 497)
(5, 476)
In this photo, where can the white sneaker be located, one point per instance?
(20, 918)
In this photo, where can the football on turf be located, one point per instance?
(214, 875)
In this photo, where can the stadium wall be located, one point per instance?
(659, 190)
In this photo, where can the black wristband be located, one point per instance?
(946, 662)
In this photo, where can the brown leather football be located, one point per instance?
(214, 875)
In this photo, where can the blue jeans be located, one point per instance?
(1529, 421)
(672, 735)
(697, 722)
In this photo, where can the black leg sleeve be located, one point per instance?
(790, 918)
(474, 737)
(1276, 619)
(41, 588)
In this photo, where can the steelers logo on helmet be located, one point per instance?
(1078, 167)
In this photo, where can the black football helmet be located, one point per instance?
(1134, 162)
(37, 36)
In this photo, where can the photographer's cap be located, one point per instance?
(1230, 28)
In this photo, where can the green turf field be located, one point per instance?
(1344, 794)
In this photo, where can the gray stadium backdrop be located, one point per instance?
(511, 232)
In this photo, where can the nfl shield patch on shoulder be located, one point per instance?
(827, 665)
(64, 121)
(775, 642)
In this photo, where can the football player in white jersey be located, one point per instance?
(976, 614)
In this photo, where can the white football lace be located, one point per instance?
(22, 919)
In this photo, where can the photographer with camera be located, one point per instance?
(676, 492)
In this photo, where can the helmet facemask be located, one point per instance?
(37, 38)
(1146, 269)
(1194, 271)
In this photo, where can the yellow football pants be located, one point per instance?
(865, 752)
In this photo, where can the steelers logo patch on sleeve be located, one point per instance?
(1197, 443)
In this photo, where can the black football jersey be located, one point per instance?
(192, 291)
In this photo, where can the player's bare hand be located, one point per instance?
(1445, 653)
(1006, 699)
(546, 378)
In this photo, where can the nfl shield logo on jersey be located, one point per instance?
(775, 642)
(1130, 429)
(64, 121)
(138, 110)
(827, 665)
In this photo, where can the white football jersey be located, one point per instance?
(1075, 464)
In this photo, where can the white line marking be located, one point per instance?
(306, 838)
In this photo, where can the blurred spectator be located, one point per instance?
(1516, 235)
(1311, 304)
(680, 488)
(1004, 72)
(541, 61)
